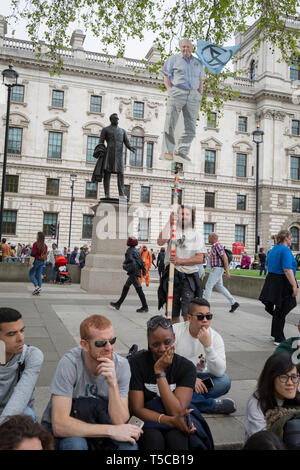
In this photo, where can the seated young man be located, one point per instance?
(198, 342)
(19, 373)
(91, 370)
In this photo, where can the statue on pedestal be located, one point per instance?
(110, 157)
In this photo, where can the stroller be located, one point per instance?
(62, 274)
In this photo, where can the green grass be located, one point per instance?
(253, 272)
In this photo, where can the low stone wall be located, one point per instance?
(18, 272)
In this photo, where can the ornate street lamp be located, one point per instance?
(10, 79)
(258, 137)
(73, 178)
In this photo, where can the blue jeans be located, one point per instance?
(263, 269)
(35, 273)
(215, 279)
(52, 276)
(30, 412)
(80, 443)
(205, 402)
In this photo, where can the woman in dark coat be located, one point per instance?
(133, 265)
(161, 261)
(280, 288)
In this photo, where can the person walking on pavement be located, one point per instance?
(51, 260)
(262, 261)
(161, 261)
(38, 257)
(218, 263)
(133, 265)
(153, 258)
(147, 258)
(280, 289)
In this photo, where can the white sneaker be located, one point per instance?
(276, 343)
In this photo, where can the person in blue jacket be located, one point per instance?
(280, 288)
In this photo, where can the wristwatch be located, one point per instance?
(162, 374)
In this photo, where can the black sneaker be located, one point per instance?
(143, 309)
(234, 307)
(224, 406)
(115, 305)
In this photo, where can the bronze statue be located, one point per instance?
(110, 158)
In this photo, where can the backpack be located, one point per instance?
(229, 255)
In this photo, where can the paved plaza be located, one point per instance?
(52, 324)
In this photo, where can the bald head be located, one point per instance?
(213, 238)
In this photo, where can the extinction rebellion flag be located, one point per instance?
(214, 57)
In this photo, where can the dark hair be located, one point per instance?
(19, 427)
(261, 250)
(132, 241)
(264, 440)
(41, 242)
(156, 321)
(277, 364)
(3, 240)
(198, 301)
(8, 315)
(162, 250)
(192, 210)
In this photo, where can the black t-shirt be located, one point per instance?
(262, 258)
(181, 373)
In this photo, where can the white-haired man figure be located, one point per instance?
(183, 78)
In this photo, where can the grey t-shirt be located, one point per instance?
(16, 396)
(72, 379)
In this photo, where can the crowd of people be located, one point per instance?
(167, 388)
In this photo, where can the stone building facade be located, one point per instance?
(55, 122)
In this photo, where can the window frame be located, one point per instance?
(12, 94)
(293, 205)
(148, 229)
(149, 157)
(294, 157)
(240, 166)
(207, 163)
(245, 129)
(47, 187)
(137, 114)
(212, 124)
(19, 142)
(237, 202)
(61, 141)
(6, 232)
(95, 191)
(133, 156)
(55, 105)
(148, 194)
(89, 151)
(205, 234)
(298, 127)
(91, 104)
(16, 178)
(47, 227)
(84, 237)
(206, 194)
(236, 240)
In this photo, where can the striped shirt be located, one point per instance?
(216, 252)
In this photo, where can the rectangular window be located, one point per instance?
(240, 232)
(295, 168)
(136, 159)
(145, 194)
(127, 191)
(241, 165)
(92, 142)
(295, 127)
(207, 229)
(52, 188)
(57, 99)
(149, 160)
(138, 110)
(179, 196)
(11, 183)
(91, 190)
(14, 143)
(9, 222)
(95, 104)
(209, 200)
(87, 226)
(124, 154)
(242, 126)
(143, 230)
(54, 145)
(49, 219)
(241, 203)
(210, 162)
(295, 69)
(212, 120)
(17, 94)
(296, 204)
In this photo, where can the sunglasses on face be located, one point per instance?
(201, 317)
(101, 344)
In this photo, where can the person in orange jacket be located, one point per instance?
(147, 258)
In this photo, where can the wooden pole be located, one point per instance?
(178, 168)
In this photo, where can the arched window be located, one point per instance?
(252, 70)
(295, 69)
(295, 235)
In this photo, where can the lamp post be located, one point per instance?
(258, 137)
(10, 79)
(73, 177)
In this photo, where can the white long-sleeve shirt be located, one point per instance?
(191, 348)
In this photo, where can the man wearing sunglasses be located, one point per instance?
(91, 370)
(197, 341)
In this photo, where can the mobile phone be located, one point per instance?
(188, 421)
(136, 422)
(208, 383)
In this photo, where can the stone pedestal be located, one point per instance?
(103, 273)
